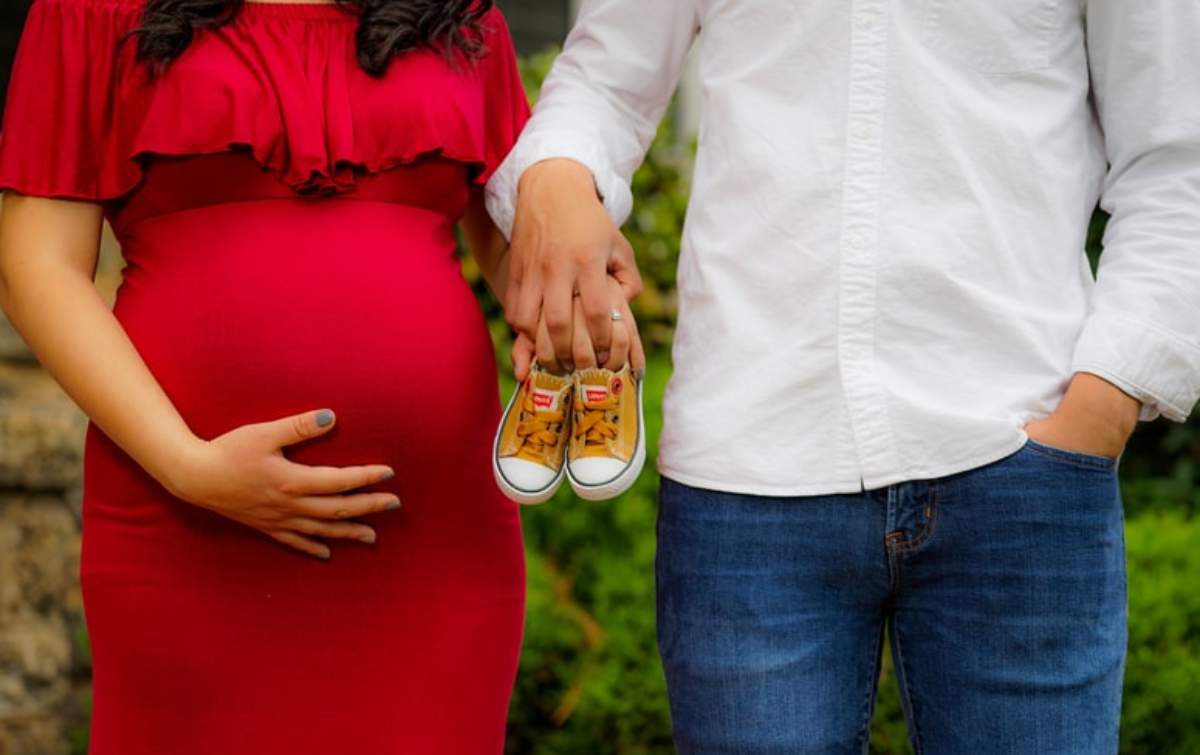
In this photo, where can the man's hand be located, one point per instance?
(626, 343)
(563, 241)
(1094, 417)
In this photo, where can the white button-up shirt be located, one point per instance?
(882, 275)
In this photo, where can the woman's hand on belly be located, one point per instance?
(244, 475)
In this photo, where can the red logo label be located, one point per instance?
(542, 400)
(596, 394)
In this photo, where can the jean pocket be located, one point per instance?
(1078, 458)
(992, 36)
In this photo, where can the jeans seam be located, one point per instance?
(893, 556)
(864, 733)
(902, 675)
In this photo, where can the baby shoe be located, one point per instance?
(529, 453)
(608, 437)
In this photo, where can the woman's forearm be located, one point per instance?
(496, 276)
(487, 245)
(47, 258)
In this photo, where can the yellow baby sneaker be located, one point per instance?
(529, 453)
(608, 437)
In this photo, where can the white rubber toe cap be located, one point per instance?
(527, 476)
(596, 470)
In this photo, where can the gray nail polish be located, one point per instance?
(388, 475)
(368, 538)
(324, 418)
(323, 555)
(392, 505)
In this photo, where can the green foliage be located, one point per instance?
(1161, 713)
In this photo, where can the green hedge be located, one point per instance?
(1162, 679)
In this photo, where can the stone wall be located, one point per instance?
(44, 656)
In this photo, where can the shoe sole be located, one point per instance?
(624, 480)
(521, 495)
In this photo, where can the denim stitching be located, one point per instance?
(1075, 458)
(907, 547)
(902, 674)
(864, 733)
(893, 556)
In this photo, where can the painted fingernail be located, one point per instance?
(324, 418)
(388, 475)
(392, 505)
(368, 538)
(323, 555)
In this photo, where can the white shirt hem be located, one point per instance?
(843, 486)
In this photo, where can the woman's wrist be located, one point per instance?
(174, 465)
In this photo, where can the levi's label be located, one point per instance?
(594, 394)
(544, 399)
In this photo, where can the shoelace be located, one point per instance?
(538, 431)
(594, 425)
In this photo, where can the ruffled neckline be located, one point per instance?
(291, 95)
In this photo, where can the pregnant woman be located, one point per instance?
(293, 352)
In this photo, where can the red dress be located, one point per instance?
(287, 222)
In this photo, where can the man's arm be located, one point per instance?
(564, 189)
(1139, 353)
(1143, 335)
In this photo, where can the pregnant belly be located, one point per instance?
(252, 311)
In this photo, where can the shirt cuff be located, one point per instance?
(1158, 368)
(500, 196)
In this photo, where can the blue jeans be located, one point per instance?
(1001, 589)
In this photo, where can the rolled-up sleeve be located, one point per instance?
(1143, 332)
(603, 99)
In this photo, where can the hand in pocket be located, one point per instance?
(1094, 417)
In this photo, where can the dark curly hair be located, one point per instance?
(386, 28)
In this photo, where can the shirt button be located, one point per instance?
(864, 131)
(858, 241)
(866, 22)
